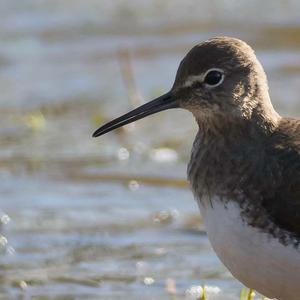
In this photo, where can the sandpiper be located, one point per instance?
(245, 163)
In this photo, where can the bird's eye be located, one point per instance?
(214, 77)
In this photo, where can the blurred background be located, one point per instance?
(112, 218)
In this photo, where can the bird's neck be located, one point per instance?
(260, 109)
(221, 128)
(255, 104)
(253, 117)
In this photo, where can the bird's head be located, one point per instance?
(220, 77)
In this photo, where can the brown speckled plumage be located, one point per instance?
(259, 171)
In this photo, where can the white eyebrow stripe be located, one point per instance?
(192, 79)
(200, 78)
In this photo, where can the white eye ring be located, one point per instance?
(219, 71)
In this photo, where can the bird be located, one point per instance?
(244, 169)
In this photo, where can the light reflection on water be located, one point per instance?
(92, 219)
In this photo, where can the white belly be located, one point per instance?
(253, 257)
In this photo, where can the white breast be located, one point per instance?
(253, 257)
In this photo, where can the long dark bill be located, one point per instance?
(163, 102)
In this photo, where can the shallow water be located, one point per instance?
(112, 218)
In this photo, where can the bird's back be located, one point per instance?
(284, 205)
